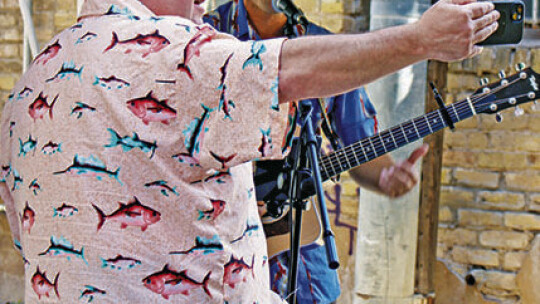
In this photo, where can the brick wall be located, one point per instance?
(490, 198)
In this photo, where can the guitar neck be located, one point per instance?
(394, 138)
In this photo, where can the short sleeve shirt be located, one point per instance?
(125, 155)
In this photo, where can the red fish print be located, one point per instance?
(42, 286)
(193, 47)
(27, 218)
(49, 53)
(150, 109)
(223, 159)
(40, 106)
(167, 282)
(132, 214)
(236, 271)
(217, 208)
(145, 44)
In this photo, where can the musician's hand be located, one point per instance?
(400, 178)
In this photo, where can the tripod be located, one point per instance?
(304, 177)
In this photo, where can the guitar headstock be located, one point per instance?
(511, 91)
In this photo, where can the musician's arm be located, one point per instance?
(385, 176)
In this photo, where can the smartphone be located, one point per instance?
(510, 30)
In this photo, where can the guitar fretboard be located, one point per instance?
(389, 140)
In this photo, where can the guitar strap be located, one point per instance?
(327, 129)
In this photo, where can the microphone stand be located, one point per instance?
(304, 176)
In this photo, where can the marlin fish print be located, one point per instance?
(224, 104)
(60, 247)
(252, 226)
(194, 137)
(144, 44)
(91, 166)
(129, 142)
(203, 246)
(86, 37)
(193, 48)
(67, 70)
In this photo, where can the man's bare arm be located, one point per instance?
(329, 65)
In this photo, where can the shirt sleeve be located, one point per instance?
(353, 116)
(245, 121)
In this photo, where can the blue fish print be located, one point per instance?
(91, 166)
(60, 247)
(80, 108)
(65, 211)
(110, 83)
(17, 180)
(275, 98)
(27, 146)
(257, 48)
(203, 246)
(194, 133)
(119, 263)
(163, 187)
(127, 143)
(116, 10)
(91, 292)
(51, 148)
(24, 93)
(86, 37)
(224, 104)
(252, 227)
(67, 71)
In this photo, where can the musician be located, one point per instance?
(126, 146)
(352, 118)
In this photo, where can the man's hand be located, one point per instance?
(450, 29)
(400, 178)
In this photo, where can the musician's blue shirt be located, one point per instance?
(352, 117)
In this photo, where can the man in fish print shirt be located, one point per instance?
(189, 108)
(352, 117)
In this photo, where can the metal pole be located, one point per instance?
(30, 43)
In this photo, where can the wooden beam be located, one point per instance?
(428, 214)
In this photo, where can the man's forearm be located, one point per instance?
(329, 65)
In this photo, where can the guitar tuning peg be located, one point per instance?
(518, 111)
(498, 118)
(502, 74)
(484, 81)
(520, 66)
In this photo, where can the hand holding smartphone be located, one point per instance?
(510, 30)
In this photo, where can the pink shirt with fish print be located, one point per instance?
(125, 155)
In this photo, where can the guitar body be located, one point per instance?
(274, 209)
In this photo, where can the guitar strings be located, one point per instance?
(419, 124)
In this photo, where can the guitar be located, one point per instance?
(519, 88)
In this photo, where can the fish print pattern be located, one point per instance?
(125, 161)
